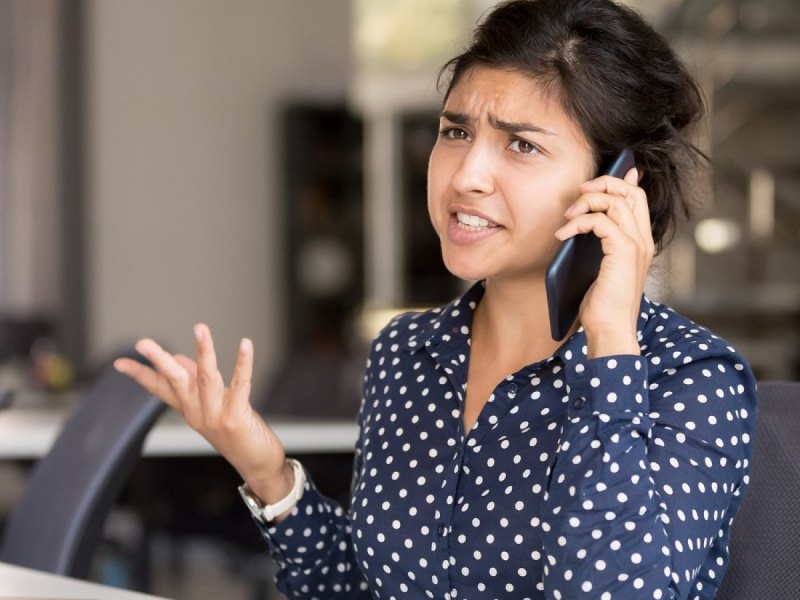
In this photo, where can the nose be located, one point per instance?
(475, 173)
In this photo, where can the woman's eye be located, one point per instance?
(523, 147)
(454, 133)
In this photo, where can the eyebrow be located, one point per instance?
(507, 126)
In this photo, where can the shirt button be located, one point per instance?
(512, 389)
(579, 403)
(441, 530)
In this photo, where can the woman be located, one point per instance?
(493, 461)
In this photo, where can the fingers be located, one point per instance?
(173, 378)
(615, 240)
(168, 369)
(632, 176)
(188, 364)
(617, 208)
(148, 379)
(624, 191)
(241, 382)
(613, 185)
(210, 385)
(194, 388)
(622, 200)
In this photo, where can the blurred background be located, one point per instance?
(259, 165)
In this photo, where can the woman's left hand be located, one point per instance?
(616, 211)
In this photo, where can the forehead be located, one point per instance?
(510, 96)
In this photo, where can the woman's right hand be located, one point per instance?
(222, 415)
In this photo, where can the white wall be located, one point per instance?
(30, 204)
(184, 180)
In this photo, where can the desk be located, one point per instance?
(28, 433)
(18, 583)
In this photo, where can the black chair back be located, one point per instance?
(765, 538)
(58, 523)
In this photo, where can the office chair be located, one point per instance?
(58, 523)
(765, 538)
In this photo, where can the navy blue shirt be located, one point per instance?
(616, 477)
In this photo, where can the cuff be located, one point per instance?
(307, 533)
(610, 384)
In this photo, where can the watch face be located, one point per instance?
(266, 513)
(252, 503)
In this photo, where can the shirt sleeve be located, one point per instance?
(313, 547)
(648, 475)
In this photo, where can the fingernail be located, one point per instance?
(245, 345)
(198, 332)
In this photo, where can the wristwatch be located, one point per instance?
(266, 513)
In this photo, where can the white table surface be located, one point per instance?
(17, 583)
(28, 433)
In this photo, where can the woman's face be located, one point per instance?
(507, 163)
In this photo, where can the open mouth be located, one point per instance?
(473, 222)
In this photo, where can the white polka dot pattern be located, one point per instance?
(610, 478)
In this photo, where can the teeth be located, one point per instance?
(472, 222)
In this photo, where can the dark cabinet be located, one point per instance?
(324, 205)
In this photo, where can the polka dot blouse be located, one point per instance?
(611, 478)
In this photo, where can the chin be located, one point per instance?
(465, 269)
(469, 271)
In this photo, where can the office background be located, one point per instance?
(147, 182)
(259, 165)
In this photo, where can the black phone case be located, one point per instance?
(576, 265)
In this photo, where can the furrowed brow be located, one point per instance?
(507, 126)
(457, 118)
(510, 127)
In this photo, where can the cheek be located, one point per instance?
(437, 180)
(543, 203)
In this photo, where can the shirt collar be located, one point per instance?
(435, 327)
(439, 326)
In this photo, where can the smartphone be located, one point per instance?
(577, 263)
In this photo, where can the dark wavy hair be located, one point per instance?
(614, 75)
